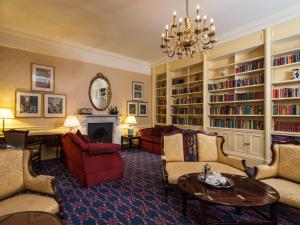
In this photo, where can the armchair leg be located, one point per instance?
(166, 192)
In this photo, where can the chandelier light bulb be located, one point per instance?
(213, 28)
(204, 17)
(212, 20)
(198, 7)
(174, 13)
(180, 20)
(198, 17)
(167, 27)
(162, 35)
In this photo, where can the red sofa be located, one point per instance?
(92, 163)
(150, 138)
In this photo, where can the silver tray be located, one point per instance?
(229, 183)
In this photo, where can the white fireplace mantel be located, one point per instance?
(115, 119)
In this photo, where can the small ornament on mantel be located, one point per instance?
(113, 110)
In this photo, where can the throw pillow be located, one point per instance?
(84, 138)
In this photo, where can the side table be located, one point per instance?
(127, 142)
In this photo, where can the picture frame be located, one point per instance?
(143, 109)
(137, 91)
(132, 108)
(55, 105)
(28, 104)
(42, 78)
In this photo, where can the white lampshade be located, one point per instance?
(6, 113)
(71, 122)
(130, 120)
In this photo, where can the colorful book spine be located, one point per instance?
(238, 110)
(237, 97)
(286, 109)
(287, 126)
(187, 121)
(286, 92)
(249, 66)
(238, 124)
(287, 59)
(255, 80)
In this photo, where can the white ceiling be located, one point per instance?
(133, 27)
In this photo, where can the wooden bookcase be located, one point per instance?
(187, 96)
(237, 96)
(285, 89)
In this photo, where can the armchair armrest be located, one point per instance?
(102, 148)
(233, 161)
(146, 131)
(264, 171)
(41, 183)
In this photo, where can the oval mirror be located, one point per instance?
(100, 92)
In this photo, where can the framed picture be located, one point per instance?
(42, 78)
(54, 105)
(28, 104)
(143, 109)
(132, 108)
(137, 91)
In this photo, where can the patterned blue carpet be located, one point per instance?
(138, 198)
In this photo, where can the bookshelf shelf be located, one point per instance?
(233, 102)
(286, 133)
(225, 115)
(236, 88)
(287, 116)
(192, 104)
(286, 82)
(239, 63)
(236, 74)
(286, 65)
(286, 99)
(286, 52)
(193, 93)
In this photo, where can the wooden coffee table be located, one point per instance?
(246, 192)
(30, 218)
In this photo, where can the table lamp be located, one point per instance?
(5, 114)
(130, 120)
(71, 122)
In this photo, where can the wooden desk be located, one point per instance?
(50, 137)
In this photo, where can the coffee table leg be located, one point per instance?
(183, 204)
(203, 212)
(274, 213)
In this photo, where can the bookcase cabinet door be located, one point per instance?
(256, 145)
(239, 140)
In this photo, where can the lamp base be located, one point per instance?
(130, 131)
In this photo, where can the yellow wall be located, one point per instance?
(71, 78)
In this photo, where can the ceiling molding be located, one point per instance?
(275, 19)
(21, 40)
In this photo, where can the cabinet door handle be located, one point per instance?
(246, 143)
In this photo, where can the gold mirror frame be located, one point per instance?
(100, 76)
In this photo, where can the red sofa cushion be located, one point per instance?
(85, 138)
(77, 140)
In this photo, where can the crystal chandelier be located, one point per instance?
(188, 38)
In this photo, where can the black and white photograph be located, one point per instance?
(54, 105)
(42, 78)
(143, 109)
(137, 91)
(132, 108)
(28, 104)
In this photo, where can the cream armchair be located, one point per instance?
(209, 149)
(16, 179)
(283, 173)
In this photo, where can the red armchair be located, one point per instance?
(150, 138)
(92, 163)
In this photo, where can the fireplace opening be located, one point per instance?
(100, 132)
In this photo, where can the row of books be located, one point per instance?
(193, 111)
(187, 121)
(286, 109)
(177, 81)
(249, 66)
(286, 92)
(161, 119)
(161, 101)
(238, 110)
(161, 92)
(237, 97)
(161, 111)
(161, 84)
(187, 90)
(287, 126)
(237, 83)
(287, 59)
(190, 100)
(237, 123)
